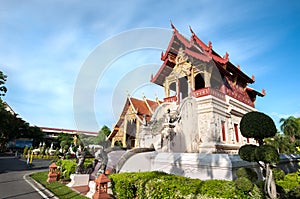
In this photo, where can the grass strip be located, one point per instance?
(60, 190)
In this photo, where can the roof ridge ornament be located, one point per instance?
(210, 47)
(143, 95)
(253, 78)
(146, 102)
(226, 56)
(173, 27)
(263, 92)
(134, 109)
(128, 94)
(191, 30)
(163, 56)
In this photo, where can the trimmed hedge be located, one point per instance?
(244, 184)
(247, 173)
(157, 185)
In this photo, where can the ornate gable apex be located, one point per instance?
(143, 107)
(151, 105)
(120, 121)
(177, 42)
(198, 50)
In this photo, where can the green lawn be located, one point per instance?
(60, 190)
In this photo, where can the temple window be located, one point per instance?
(236, 130)
(183, 87)
(223, 131)
(132, 143)
(216, 80)
(172, 89)
(199, 82)
(118, 143)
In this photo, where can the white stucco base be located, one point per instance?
(79, 180)
(194, 165)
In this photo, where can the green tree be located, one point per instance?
(282, 143)
(297, 136)
(259, 126)
(65, 140)
(13, 127)
(102, 135)
(3, 89)
(100, 139)
(36, 134)
(105, 130)
(290, 127)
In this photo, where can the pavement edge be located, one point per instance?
(45, 193)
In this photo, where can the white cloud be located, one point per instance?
(285, 115)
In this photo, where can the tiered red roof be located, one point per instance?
(196, 49)
(200, 52)
(142, 107)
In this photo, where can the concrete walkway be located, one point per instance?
(15, 181)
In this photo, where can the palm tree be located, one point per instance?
(289, 127)
(298, 133)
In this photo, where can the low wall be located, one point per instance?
(199, 165)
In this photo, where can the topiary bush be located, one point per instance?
(244, 184)
(247, 152)
(247, 173)
(257, 125)
(267, 154)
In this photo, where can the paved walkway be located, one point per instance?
(14, 181)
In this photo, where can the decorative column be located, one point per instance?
(192, 77)
(136, 143)
(124, 132)
(178, 90)
(113, 142)
(167, 88)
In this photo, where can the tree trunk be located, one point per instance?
(270, 186)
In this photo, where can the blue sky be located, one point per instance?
(44, 45)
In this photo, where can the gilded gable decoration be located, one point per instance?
(182, 67)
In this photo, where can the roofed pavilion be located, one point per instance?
(206, 96)
(136, 112)
(201, 71)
